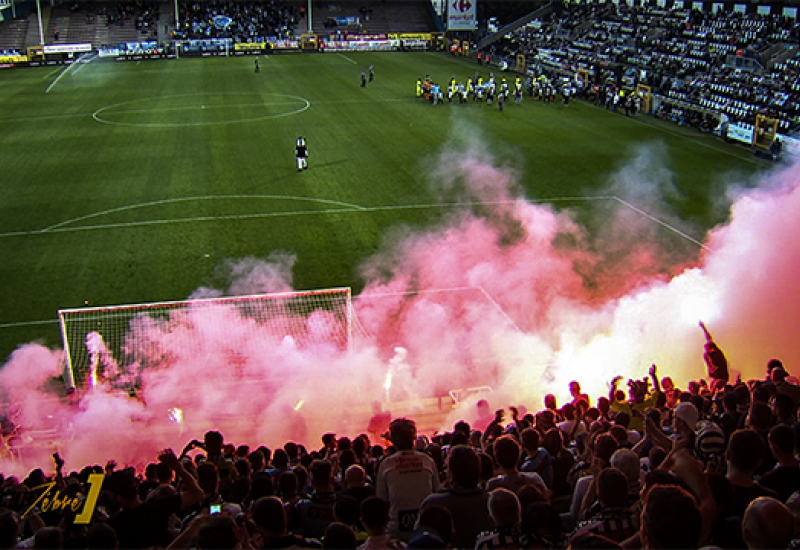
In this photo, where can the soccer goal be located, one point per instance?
(103, 342)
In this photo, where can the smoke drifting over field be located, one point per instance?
(518, 296)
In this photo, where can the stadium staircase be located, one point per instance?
(13, 34)
(32, 37)
(511, 27)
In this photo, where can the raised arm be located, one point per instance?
(499, 414)
(705, 332)
(193, 444)
(193, 493)
(654, 377)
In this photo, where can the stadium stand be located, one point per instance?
(374, 17)
(242, 21)
(704, 461)
(743, 65)
(12, 35)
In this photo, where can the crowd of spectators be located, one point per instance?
(719, 62)
(239, 21)
(715, 464)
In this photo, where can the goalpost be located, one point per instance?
(104, 341)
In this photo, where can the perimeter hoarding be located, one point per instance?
(461, 15)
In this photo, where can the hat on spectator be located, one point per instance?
(710, 438)
(688, 413)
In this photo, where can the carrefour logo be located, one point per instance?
(462, 5)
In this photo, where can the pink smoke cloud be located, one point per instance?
(504, 293)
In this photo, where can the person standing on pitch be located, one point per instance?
(301, 152)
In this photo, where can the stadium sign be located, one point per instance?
(284, 44)
(740, 132)
(249, 46)
(11, 59)
(361, 45)
(222, 22)
(66, 48)
(412, 36)
(461, 15)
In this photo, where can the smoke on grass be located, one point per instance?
(502, 293)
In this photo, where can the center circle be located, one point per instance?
(201, 109)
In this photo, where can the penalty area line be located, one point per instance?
(343, 208)
(28, 323)
(662, 223)
(59, 77)
(353, 61)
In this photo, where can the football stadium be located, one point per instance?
(277, 221)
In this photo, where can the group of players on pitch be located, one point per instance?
(490, 91)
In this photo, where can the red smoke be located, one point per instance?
(504, 293)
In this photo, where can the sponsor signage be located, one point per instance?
(461, 15)
(411, 36)
(13, 59)
(285, 44)
(741, 133)
(249, 46)
(66, 48)
(365, 45)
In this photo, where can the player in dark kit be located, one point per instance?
(301, 152)
(257, 68)
(363, 79)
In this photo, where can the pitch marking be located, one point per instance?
(109, 108)
(28, 323)
(343, 208)
(351, 208)
(189, 199)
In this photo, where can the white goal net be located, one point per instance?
(107, 341)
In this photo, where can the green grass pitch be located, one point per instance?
(130, 182)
